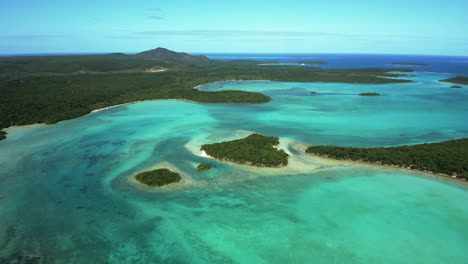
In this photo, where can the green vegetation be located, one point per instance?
(457, 80)
(255, 150)
(455, 86)
(410, 64)
(159, 177)
(2, 134)
(449, 157)
(48, 89)
(312, 62)
(369, 94)
(203, 167)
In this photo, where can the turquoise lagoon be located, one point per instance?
(67, 194)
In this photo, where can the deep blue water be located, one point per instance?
(440, 64)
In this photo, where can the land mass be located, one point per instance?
(203, 167)
(49, 89)
(158, 177)
(448, 157)
(456, 80)
(312, 62)
(410, 64)
(255, 150)
(369, 94)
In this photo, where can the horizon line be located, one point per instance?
(217, 52)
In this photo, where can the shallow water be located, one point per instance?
(67, 195)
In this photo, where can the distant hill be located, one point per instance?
(114, 62)
(171, 57)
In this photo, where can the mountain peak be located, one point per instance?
(171, 57)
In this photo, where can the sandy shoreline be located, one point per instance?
(23, 126)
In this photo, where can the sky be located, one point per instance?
(428, 27)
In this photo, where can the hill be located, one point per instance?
(163, 55)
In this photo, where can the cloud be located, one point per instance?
(244, 33)
(29, 37)
(155, 17)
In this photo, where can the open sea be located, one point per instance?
(67, 194)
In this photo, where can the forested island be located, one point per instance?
(448, 157)
(158, 177)
(369, 94)
(455, 86)
(203, 167)
(255, 150)
(456, 80)
(49, 89)
(410, 64)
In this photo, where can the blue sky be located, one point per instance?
(293, 26)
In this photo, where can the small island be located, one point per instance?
(456, 80)
(203, 167)
(158, 177)
(313, 92)
(409, 64)
(447, 158)
(369, 94)
(2, 135)
(455, 86)
(255, 150)
(311, 62)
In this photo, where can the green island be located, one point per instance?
(369, 94)
(203, 167)
(448, 157)
(312, 62)
(456, 80)
(455, 86)
(409, 64)
(2, 134)
(158, 177)
(49, 89)
(255, 150)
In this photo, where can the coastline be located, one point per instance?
(392, 167)
(23, 126)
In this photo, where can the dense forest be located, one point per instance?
(48, 89)
(158, 177)
(257, 150)
(457, 80)
(449, 157)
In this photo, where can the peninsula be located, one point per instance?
(255, 150)
(158, 177)
(448, 157)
